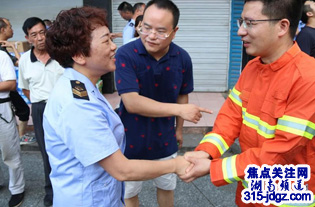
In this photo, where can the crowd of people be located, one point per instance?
(95, 156)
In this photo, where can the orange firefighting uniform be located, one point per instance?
(272, 111)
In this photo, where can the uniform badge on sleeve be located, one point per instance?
(131, 24)
(79, 90)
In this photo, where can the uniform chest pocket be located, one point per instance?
(274, 107)
(244, 96)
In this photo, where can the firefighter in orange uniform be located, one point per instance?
(271, 109)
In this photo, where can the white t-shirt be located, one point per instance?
(38, 77)
(7, 71)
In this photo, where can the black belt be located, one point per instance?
(3, 100)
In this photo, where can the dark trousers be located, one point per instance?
(37, 115)
(21, 109)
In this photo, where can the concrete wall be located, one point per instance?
(19, 10)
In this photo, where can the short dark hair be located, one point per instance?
(283, 9)
(138, 20)
(47, 22)
(70, 34)
(125, 6)
(137, 6)
(3, 24)
(168, 5)
(306, 8)
(31, 22)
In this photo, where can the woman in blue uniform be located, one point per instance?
(84, 137)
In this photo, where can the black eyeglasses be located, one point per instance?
(248, 23)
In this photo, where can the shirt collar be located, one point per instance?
(75, 75)
(34, 58)
(283, 60)
(72, 74)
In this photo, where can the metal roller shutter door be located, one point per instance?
(204, 34)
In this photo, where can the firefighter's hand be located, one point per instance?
(198, 168)
(192, 113)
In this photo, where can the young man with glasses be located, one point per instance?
(272, 106)
(306, 37)
(154, 77)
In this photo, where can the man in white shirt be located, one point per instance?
(22, 110)
(9, 137)
(38, 74)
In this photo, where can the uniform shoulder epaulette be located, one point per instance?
(79, 90)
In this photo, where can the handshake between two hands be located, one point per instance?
(192, 165)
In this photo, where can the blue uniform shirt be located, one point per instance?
(129, 31)
(78, 134)
(163, 81)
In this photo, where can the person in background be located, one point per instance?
(154, 77)
(9, 137)
(129, 13)
(125, 10)
(38, 74)
(85, 138)
(6, 32)
(271, 109)
(138, 9)
(137, 26)
(48, 23)
(306, 37)
(21, 109)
